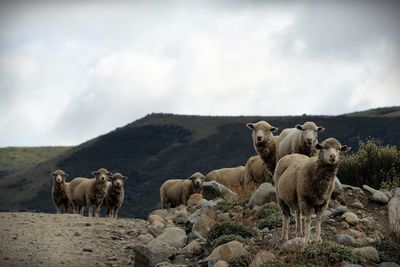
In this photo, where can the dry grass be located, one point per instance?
(244, 192)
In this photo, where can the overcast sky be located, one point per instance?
(72, 71)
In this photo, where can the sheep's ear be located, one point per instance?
(320, 129)
(124, 177)
(110, 174)
(318, 146)
(192, 177)
(345, 148)
(66, 174)
(250, 125)
(52, 173)
(274, 129)
(94, 173)
(299, 127)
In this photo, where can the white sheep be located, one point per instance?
(255, 171)
(229, 177)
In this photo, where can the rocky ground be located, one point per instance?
(239, 229)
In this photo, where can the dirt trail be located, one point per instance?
(38, 239)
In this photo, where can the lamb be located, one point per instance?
(177, 191)
(264, 143)
(90, 192)
(305, 183)
(229, 177)
(114, 194)
(301, 140)
(59, 191)
(255, 171)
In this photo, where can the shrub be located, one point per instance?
(225, 239)
(225, 205)
(388, 251)
(285, 264)
(244, 192)
(270, 216)
(229, 228)
(241, 261)
(373, 164)
(327, 254)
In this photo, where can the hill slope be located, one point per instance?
(164, 146)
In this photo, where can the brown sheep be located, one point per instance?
(304, 183)
(114, 195)
(177, 191)
(264, 143)
(71, 194)
(59, 191)
(255, 171)
(90, 192)
(229, 177)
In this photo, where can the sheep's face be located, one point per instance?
(117, 180)
(330, 151)
(262, 131)
(59, 176)
(197, 180)
(102, 175)
(309, 133)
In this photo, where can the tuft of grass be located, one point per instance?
(244, 192)
(285, 264)
(388, 251)
(241, 261)
(225, 239)
(270, 216)
(226, 205)
(229, 228)
(327, 254)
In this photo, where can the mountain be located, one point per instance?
(378, 112)
(164, 146)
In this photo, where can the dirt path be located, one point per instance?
(37, 239)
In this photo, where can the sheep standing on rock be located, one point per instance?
(59, 191)
(304, 183)
(264, 143)
(177, 191)
(229, 177)
(300, 140)
(255, 171)
(114, 194)
(90, 192)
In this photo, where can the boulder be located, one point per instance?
(350, 218)
(368, 253)
(203, 225)
(394, 213)
(213, 190)
(144, 238)
(356, 204)
(261, 258)
(226, 252)
(339, 211)
(221, 264)
(338, 187)
(347, 240)
(266, 192)
(151, 255)
(194, 199)
(172, 236)
(294, 245)
(377, 195)
(193, 248)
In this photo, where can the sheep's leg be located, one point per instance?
(319, 211)
(90, 211)
(66, 207)
(80, 210)
(307, 225)
(97, 211)
(109, 212)
(58, 209)
(116, 213)
(286, 216)
(299, 224)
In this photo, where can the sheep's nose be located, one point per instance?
(333, 157)
(309, 140)
(259, 138)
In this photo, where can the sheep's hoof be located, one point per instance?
(318, 240)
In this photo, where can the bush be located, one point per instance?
(225, 205)
(270, 216)
(229, 228)
(244, 191)
(388, 251)
(285, 264)
(327, 254)
(373, 164)
(225, 239)
(241, 261)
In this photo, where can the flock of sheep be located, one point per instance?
(302, 170)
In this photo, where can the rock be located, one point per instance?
(368, 253)
(202, 220)
(265, 193)
(261, 258)
(294, 245)
(203, 225)
(193, 248)
(394, 213)
(226, 252)
(338, 187)
(213, 190)
(377, 196)
(77, 234)
(221, 264)
(194, 199)
(88, 248)
(347, 264)
(339, 211)
(157, 224)
(355, 233)
(144, 239)
(112, 258)
(346, 240)
(388, 194)
(357, 205)
(353, 188)
(389, 264)
(350, 218)
(150, 256)
(173, 236)
(195, 236)
(327, 214)
(395, 192)
(344, 225)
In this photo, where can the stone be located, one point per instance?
(350, 218)
(339, 211)
(261, 258)
(203, 225)
(226, 252)
(193, 248)
(213, 190)
(347, 240)
(294, 245)
(355, 233)
(221, 264)
(194, 199)
(377, 195)
(157, 224)
(388, 194)
(353, 188)
(338, 187)
(394, 213)
(368, 253)
(389, 264)
(265, 193)
(150, 256)
(144, 239)
(173, 236)
(365, 221)
(357, 205)
(88, 248)
(347, 264)
(77, 234)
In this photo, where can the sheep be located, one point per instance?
(255, 171)
(264, 143)
(77, 209)
(300, 140)
(229, 177)
(90, 192)
(304, 183)
(114, 194)
(177, 191)
(59, 191)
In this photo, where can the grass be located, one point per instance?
(388, 251)
(244, 192)
(229, 228)
(241, 261)
(226, 205)
(225, 239)
(270, 216)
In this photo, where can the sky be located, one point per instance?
(72, 70)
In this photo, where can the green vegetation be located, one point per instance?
(14, 159)
(285, 264)
(225, 239)
(270, 216)
(373, 164)
(229, 228)
(388, 251)
(241, 261)
(226, 205)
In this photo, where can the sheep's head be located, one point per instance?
(102, 175)
(59, 176)
(118, 179)
(330, 151)
(309, 133)
(197, 180)
(262, 131)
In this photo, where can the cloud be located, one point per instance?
(72, 71)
